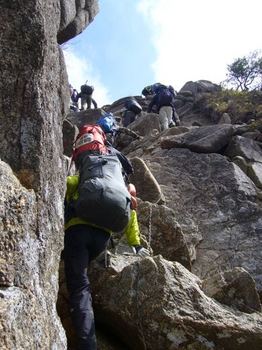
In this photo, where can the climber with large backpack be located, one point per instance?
(164, 101)
(85, 94)
(151, 90)
(97, 203)
(133, 108)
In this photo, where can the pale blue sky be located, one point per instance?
(133, 43)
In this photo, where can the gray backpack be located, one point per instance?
(103, 196)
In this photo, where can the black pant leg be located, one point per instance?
(82, 244)
(88, 101)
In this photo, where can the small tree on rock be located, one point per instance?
(246, 73)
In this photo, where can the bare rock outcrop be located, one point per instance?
(28, 267)
(210, 223)
(89, 116)
(248, 155)
(147, 187)
(199, 86)
(75, 16)
(163, 234)
(156, 304)
(235, 288)
(215, 203)
(211, 220)
(34, 100)
(146, 124)
(207, 139)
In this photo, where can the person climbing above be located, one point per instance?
(151, 90)
(74, 100)
(108, 124)
(133, 108)
(164, 101)
(85, 94)
(175, 116)
(90, 218)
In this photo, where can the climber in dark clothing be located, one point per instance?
(85, 94)
(83, 242)
(164, 101)
(86, 101)
(133, 108)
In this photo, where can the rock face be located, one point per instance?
(248, 155)
(28, 268)
(74, 17)
(147, 187)
(192, 88)
(235, 288)
(198, 210)
(34, 100)
(215, 203)
(208, 139)
(156, 304)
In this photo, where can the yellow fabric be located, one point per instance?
(132, 231)
(71, 187)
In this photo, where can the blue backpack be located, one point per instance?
(107, 123)
(164, 98)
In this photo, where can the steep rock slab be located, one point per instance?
(28, 285)
(216, 205)
(34, 97)
(155, 304)
(207, 139)
(75, 16)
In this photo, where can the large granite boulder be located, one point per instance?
(118, 107)
(199, 86)
(206, 139)
(156, 304)
(89, 116)
(244, 147)
(162, 234)
(248, 155)
(146, 124)
(75, 16)
(235, 288)
(147, 187)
